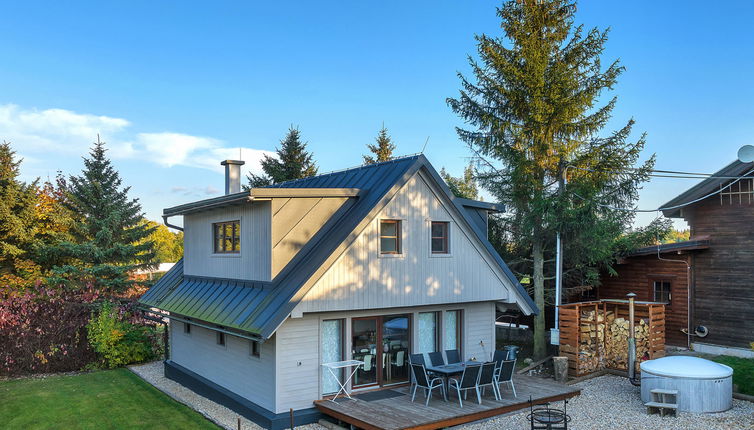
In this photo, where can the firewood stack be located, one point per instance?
(592, 340)
(617, 343)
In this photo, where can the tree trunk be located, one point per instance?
(539, 298)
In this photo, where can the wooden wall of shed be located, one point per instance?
(724, 293)
(637, 274)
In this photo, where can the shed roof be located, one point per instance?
(259, 308)
(705, 187)
(688, 245)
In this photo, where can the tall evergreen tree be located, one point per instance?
(18, 226)
(292, 162)
(109, 239)
(465, 186)
(382, 149)
(534, 120)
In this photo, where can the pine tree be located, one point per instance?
(382, 150)
(534, 120)
(292, 162)
(108, 237)
(18, 226)
(465, 186)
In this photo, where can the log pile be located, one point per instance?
(592, 331)
(616, 344)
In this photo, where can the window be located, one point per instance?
(332, 349)
(439, 238)
(220, 338)
(390, 237)
(428, 332)
(187, 328)
(254, 348)
(662, 291)
(227, 237)
(452, 330)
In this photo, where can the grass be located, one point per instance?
(112, 399)
(743, 372)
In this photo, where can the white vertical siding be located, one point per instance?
(231, 367)
(479, 330)
(254, 260)
(298, 363)
(361, 278)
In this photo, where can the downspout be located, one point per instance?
(167, 224)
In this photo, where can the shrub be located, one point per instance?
(43, 329)
(117, 340)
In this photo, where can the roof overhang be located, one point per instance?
(476, 204)
(676, 248)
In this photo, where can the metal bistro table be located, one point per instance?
(337, 365)
(448, 370)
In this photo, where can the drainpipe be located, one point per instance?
(631, 342)
(167, 224)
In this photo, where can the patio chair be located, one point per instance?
(487, 378)
(453, 356)
(423, 381)
(468, 381)
(436, 358)
(505, 374)
(416, 359)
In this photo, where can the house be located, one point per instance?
(708, 281)
(370, 263)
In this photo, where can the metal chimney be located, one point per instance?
(232, 175)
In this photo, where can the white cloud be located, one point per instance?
(70, 133)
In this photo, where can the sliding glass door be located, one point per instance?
(383, 344)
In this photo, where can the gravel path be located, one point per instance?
(611, 402)
(220, 415)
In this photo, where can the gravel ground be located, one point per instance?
(220, 415)
(611, 402)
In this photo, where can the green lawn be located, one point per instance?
(743, 372)
(112, 399)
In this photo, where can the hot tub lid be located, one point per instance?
(686, 367)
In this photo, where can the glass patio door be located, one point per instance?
(383, 344)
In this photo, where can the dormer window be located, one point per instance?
(390, 236)
(227, 237)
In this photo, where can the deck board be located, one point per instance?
(399, 413)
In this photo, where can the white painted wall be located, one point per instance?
(254, 260)
(362, 278)
(231, 366)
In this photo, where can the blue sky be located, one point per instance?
(174, 87)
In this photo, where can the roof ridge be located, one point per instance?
(361, 166)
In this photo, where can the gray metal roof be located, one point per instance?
(706, 187)
(260, 307)
(688, 245)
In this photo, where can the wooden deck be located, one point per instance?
(398, 413)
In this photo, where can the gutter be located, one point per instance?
(167, 224)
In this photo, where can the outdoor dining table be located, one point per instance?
(448, 370)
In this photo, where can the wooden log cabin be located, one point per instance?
(715, 267)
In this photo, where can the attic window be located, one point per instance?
(440, 237)
(227, 237)
(390, 236)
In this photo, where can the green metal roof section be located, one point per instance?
(260, 307)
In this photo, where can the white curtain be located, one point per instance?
(332, 350)
(427, 331)
(450, 327)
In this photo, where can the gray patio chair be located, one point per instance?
(436, 358)
(416, 359)
(498, 357)
(423, 381)
(468, 381)
(487, 378)
(453, 356)
(505, 374)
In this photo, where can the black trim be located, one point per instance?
(238, 404)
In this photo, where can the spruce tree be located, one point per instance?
(18, 224)
(533, 117)
(292, 162)
(465, 186)
(108, 238)
(382, 149)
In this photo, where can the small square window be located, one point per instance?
(440, 238)
(227, 237)
(220, 338)
(254, 348)
(390, 237)
(187, 328)
(662, 291)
